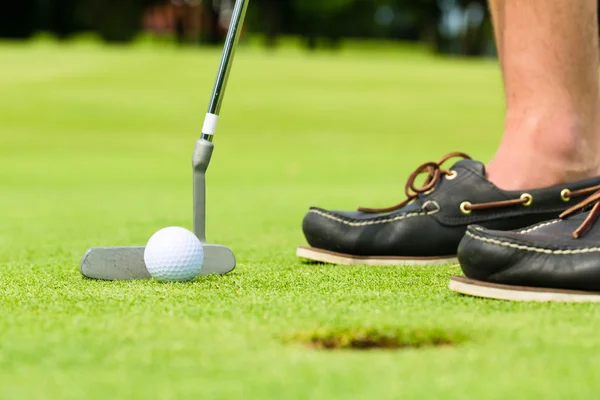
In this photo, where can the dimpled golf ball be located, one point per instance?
(174, 254)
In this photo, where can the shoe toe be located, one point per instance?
(327, 230)
(517, 258)
(404, 233)
(481, 256)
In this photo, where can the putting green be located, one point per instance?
(95, 147)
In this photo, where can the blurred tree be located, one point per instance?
(115, 21)
(411, 20)
(60, 17)
(428, 15)
(478, 27)
(446, 26)
(17, 19)
(210, 31)
(268, 17)
(321, 19)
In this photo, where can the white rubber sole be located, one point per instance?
(487, 290)
(330, 257)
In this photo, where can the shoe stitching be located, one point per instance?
(374, 222)
(536, 227)
(534, 249)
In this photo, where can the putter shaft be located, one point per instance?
(231, 41)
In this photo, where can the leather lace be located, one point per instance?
(591, 218)
(434, 173)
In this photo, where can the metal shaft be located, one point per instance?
(231, 41)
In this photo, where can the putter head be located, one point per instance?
(127, 263)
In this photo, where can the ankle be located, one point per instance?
(537, 154)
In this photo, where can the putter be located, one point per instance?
(126, 263)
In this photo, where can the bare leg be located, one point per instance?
(549, 57)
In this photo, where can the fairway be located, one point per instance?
(95, 150)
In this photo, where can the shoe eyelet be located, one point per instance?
(451, 175)
(529, 199)
(463, 207)
(565, 195)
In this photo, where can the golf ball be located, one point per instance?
(174, 254)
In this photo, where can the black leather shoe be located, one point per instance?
(427, 227)
(557, 260)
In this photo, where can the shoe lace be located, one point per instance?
(434, 173)
(592, 216)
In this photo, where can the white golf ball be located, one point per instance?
(174, 254)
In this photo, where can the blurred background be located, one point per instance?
(444, 26)
(330, 103)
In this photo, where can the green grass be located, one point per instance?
(95, 149)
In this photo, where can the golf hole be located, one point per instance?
(372, 339)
